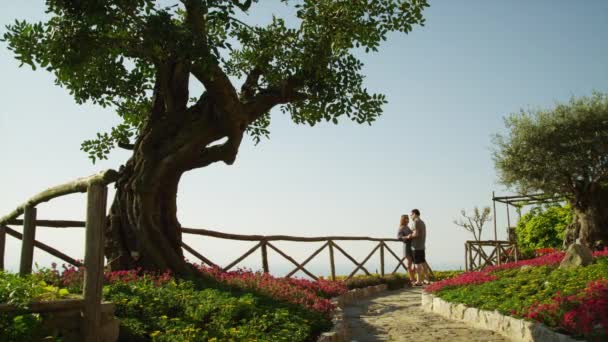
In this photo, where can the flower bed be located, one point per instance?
(314, 295)
(242, 305)
(574, 300)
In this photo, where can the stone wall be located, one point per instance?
(510, 327)
(341, 332)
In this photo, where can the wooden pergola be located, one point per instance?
(519, 201)
(478, 256)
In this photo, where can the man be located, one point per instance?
(418, 244)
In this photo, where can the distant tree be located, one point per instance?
(141, 56)
(542, 228)
(562, 151)
(474, 223)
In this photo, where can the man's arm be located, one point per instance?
(414, 231)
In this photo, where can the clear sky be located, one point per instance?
(449, 84)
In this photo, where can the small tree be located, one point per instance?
(474, 223)
(562, 151)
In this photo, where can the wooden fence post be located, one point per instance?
(2, 246)
(264, 256)
(332, 262)
(382, 258)
(466, 257)
(93, 259)
(27, 242)
(498, 252)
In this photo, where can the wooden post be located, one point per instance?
(494, 205)
(466, 261)
(27, 243)
(508, 221)
(93, 259)
(471, 261)
(264, 256)
(382, 258)
(498, 253)
(332, 262)
(2, 246)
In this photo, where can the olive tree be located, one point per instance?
(562, 151)
(139, 57)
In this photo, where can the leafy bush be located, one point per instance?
(20, 291)
(172, 310)
(542, 228)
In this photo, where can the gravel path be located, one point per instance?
(397, 316)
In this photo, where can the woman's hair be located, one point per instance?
(404, 220)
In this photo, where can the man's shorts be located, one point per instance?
(419, 256)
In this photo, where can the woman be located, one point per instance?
(404, 231)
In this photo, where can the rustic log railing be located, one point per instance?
(479, 254)
(96, 188)
(264, 242)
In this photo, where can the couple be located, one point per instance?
(415, 239)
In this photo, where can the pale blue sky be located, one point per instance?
(449, 84)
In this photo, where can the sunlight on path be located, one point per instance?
(397, 316)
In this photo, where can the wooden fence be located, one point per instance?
(96, 189)
(330, 242)
(477, 256)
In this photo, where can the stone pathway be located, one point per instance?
(397, 316)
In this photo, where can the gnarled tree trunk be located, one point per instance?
(590, 219)
(143, 229)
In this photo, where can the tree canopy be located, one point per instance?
(559, 151)
(562, 151)
(115, 52)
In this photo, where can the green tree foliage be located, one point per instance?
(113, 53)
(542, 228)
(561, 151)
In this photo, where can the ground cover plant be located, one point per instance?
(241, 305)
(573, 301)
(20, 291)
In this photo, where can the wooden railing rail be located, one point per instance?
(263, 243)
(212, 233)
(51, 223)
(52, 251)
(76, 186)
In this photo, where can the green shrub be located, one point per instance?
(20, 291)
(394, 281)
(178, 311)
(542, 228)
